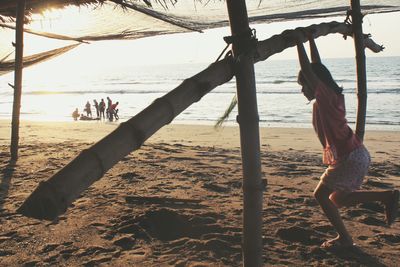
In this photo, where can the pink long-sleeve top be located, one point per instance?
(330, 124)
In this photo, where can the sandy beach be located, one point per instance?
(177, 201)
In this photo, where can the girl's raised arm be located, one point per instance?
(315, 58)
(305, 66)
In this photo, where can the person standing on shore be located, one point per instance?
(109, 103)
(344, 153)
(75, 114)
(88, 109)
(96, 106)
(114, 111)
(102, 108)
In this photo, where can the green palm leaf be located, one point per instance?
(227, 112)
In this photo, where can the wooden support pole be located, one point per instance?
(358, 37)
(249, 132)
(19, 54)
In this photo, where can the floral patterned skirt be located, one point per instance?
(348, 174)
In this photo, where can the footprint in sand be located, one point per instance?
(375, 173)
(49, 247)
(68, 252)
(389, 238)
(297, 234)
(373, 207)
(324, 228)
(100, 227)
(130, 228)
(126, 242)
(52, 259)
(354, 213)
(4, 252)
(131, 177)
(372, 221)
(97, 261)
(298, 220)
(167, 224)
(216, 188)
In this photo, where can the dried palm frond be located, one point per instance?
(6, 56)
(9, 65)
(227, 112)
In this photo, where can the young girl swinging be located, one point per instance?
(344, 153)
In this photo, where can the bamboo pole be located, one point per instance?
(53, 196)
(19, 54)
(358, 37)
(249, 133)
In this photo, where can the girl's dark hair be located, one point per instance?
(324, 75)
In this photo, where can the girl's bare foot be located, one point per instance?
(337, 243)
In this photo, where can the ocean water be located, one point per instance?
(53, 95)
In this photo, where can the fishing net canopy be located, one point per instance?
(68, 22)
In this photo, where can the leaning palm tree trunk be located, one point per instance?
(52, 197)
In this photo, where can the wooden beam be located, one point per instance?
(248, 120)
(358, 37)
(279, 42)
(19, 55)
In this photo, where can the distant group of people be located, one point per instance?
(103, 111)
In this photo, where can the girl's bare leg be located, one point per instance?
(389, 198)
(331, 211)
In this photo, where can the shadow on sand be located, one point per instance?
(7, 171)
(356, 255)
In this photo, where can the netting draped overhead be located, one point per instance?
(132, 19)
(214, 12)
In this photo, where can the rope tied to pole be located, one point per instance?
(247, 40)
(350, 14)
(368, 42)
(222, 52)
